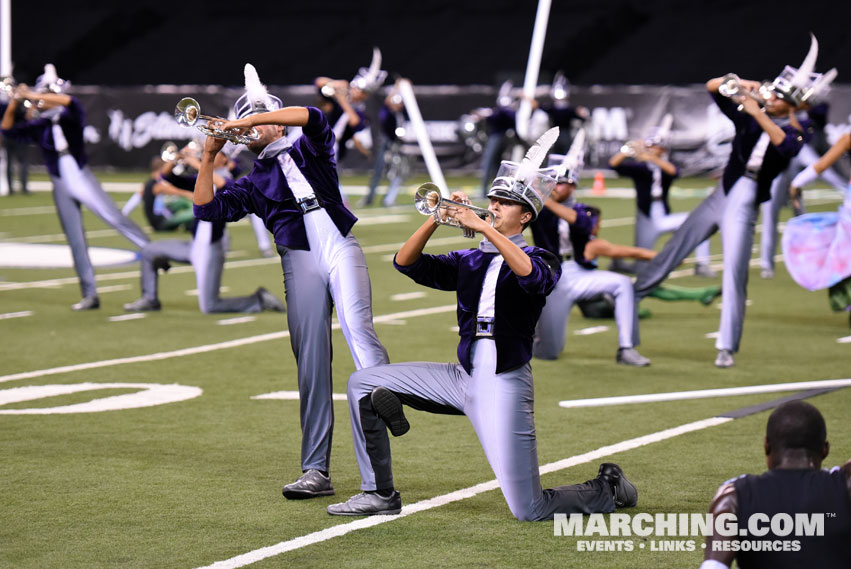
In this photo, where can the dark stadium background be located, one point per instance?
(137, 42)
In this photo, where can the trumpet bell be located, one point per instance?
(730, 86)
(187, 111)
(429, 201)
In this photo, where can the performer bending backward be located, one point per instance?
(55, 123)
(501, 287)
(766, 139)
(294, 188)
(652, 174)
(817, 246)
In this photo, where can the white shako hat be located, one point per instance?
(370, 78)
(49, 81)
(525, 182)
(803, 85)
(256, 98)
(565, 167)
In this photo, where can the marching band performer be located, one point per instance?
(652, 174)
(501, 287)
(294, 188)
(55, 122)
(766, 139)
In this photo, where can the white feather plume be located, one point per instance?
(821, 86)
(535, 156)
(255, 90)
(374, 66)
(802, 75)
(573, 159)
(665, 127)
(50, 75)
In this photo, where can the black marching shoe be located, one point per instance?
(88, 303)
(389, 408)
(368, 504)
(269, 301)
(626, 495)
(311, 484)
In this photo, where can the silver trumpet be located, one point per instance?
(731, 87)
(632, 148)
(8, 86)
(169, 152)
(188, 113)
(429, 201)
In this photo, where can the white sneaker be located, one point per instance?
(724, 359)
(631, 357)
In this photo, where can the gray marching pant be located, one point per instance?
(208, 260)
(332, 272)
(71, 219)
(648, 229)
(735, 215)
(97, 200)
(501, 409)
(578, 283)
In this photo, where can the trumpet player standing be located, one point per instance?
(294, 188)
(766, 139)
(55, 122)
(652, 174)
(501, 288)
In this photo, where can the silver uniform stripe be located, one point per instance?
(656, 188)
(300, 187)
(487, 301)
(758, 153)
(565, 247)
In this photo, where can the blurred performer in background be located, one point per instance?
(561, 113)
(295, 189)
(570, 232)
(17, 153)
(344, 105)
(817, 246)
(388, 154)
(55, 122)
(768, 135)
(206, 252)
(652, 173)
(502, 127)
(780, 190)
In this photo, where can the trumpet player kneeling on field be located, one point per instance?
(501, 288)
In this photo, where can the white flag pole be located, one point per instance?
(533, 67)
(433, 167)
(5, 70)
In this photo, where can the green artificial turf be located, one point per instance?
(189, 483)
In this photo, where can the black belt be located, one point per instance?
(308, 204)
(567, 257)
(751, 174)
(484, 326)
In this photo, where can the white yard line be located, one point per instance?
(21, 314)
(705, 393)
(210, 347)
(437, 501)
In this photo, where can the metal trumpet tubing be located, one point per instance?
(188, 113)
(429, 201)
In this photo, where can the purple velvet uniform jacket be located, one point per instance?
(519, 300)
(40, 132)
(545, 234)
(265, 190)
(748, 132)
(642, 177)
